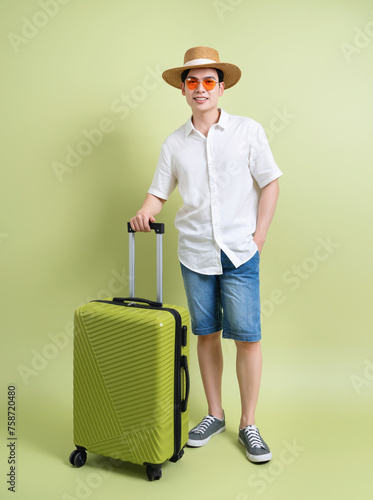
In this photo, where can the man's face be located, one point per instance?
(200, 98)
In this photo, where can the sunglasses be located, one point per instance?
(208, 83)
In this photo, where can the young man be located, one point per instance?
(228, 180)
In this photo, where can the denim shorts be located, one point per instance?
(228, 302)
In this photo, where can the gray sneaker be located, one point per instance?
(203, 432)
(256, 449)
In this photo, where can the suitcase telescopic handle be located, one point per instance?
(158, 227)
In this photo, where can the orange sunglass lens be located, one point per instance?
(209, 83)
(192, 83)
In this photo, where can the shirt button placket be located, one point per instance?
(213, 190)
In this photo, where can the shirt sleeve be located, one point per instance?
(263, 167)
(164, 180)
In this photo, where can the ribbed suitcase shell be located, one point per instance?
(124, 382)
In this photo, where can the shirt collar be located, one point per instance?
(222, 123)
(189, 127)
(223, 120)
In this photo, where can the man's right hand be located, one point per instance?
(141, 222)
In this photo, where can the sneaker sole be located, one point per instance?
(256, 458)
(202, 442)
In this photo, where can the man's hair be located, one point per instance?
(184, 75)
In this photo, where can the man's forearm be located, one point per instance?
(150, 208)
(152, 205)
(267, 207)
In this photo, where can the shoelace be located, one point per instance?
(204, 425)
(253, 436)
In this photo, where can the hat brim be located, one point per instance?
(232, 73)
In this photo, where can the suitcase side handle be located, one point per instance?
(159, 230)
(184, 364)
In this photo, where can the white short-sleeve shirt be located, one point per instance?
(219, 178)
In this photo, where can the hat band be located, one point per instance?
(195, 62)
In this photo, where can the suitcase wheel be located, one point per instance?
(78, 458)
(153, 472)
(177, 457)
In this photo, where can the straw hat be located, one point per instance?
(203, 57)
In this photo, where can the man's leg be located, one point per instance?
(241, 306)
(204, 303)
(210, 357)
(249, 370)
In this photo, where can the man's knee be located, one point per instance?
(247, 346)
(210, 338)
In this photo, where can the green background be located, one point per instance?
(63, 239)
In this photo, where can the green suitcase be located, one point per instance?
(131, 378)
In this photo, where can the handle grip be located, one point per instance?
(184, 364)
(158, 227)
